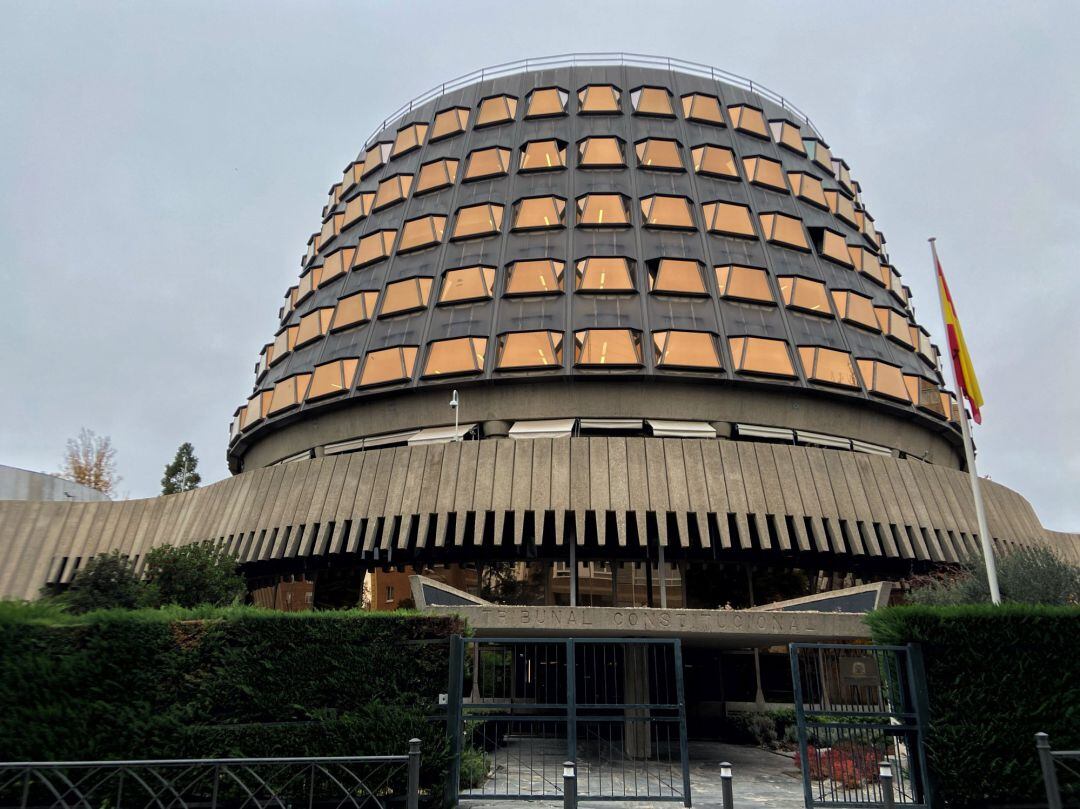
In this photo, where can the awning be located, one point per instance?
(612, 424)
(440, 435)
(822, 440)
(681, 429)
(765, 433)
(547, 428)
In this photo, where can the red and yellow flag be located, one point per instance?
(961, 360)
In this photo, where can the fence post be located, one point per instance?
(412, 797)
(885, 776)
(725, 785)
(569, 778)
(1046, 761)
(456, 678)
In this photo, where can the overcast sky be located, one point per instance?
(162, 165)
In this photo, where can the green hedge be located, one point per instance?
(230, 682)
(995, 676)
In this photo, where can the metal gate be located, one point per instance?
(520, 707)
(858, 708)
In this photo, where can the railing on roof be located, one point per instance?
(588, 59)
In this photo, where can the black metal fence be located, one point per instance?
(860, 712)
(368, 782)
(1051, 761)
(523, 707)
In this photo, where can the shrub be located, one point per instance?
(1025, 575)
(107, 581)
(995, 677)
(190, 575)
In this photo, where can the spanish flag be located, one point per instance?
(961, 360)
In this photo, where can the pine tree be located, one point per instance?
(180, 475)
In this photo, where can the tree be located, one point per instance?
(1025, 575)
(180, 475)
(191, 575)
(108, 581)
(91, 460)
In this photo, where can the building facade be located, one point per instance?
(590, 334)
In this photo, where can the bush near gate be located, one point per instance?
(996, 676)
(204, 683)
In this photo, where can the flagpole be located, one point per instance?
(969, 452)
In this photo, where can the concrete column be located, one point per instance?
(495, 429)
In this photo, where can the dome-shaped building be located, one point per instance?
(675, 341)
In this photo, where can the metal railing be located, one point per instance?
(238, 783)
(1050, 760)
(589, 60)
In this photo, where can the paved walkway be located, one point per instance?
(761, 779)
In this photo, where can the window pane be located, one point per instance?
(828, 366)
(894, 324)
(467, 284)
(530, 349)
(388, 365)
(855, 308)
(496, 110)
(831, 245)
(677, 276)
(337, 263)
(545, 102)
(805, 294)
(667, 212)
(409, 138)
(868, 264)
(602, 210)
(808, 187)
(355, 309)
(715, 161)
(843, 207)
(764, 172)
(749, 120)
(449, 122)
(256, 408)
(374, 247)
(744, 283)
(478, 220)
(659, 153)
(604, 274)
(535, 277)
(332, 378)
(463, 355)
(925, 394)
(405, 296)
(375, 157)
(761, 355)
(729, 219)
(424, 231)
(492, 162)
(601, 153)
(358, 207)
(819, 153)
(542, 155)
(685, 349)
(538, 213)
(435, 175)
(652, 101)
(314, 325)
(599, 99)
(284, 343)
(884, 379)
(784, 230)
(607, 347)
(392, 190)
(788, 134)
(288, 393)
(702, 108)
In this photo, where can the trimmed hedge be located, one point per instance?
(995, 677)
(229, 682)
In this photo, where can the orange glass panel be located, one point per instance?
(435, 175)
(855, 308)
(449, 122)
(375, 157)
(659, 153)
(409, 138)
(467, 284)
(828, 366)
(496, 110)
(702, 108)
(819, 153)
(805, 294)
(808, 187)
(337, 263)
(662, 211)
(784, 230)
(332, 227)
(604, 274)
(843, 207)
(355, 309)
(925, 394)
(761, 355)
(602, 210)
(652, 101)
(388, 365)
(422, 232)
(546, 102)
(598, 99)
(284, 343)
(677, 276)
(374, 247)
(744, 283)
(868, 264)
(788, 135)
(462, 355)
(601, 153)
(474, 221)
(535, 277)
(405, 296)
(714, 161)
(834, 248)
(542, 155)
(288, 393)
(309, 282)
(843, 175)
(529, 349)
(884, 379)
(332, 378)
(728, 218)
(764, 172)
(256, 408)
(605, 348)
(358, 207)
(539, 213)
(392, 190)
(686, 349)
(314, 325)
(894, 324)
(491, 162)
(351, 176)
(749, 120)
